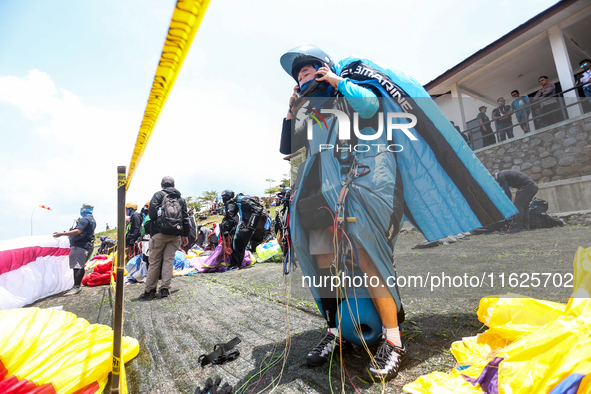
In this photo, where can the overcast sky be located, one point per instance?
(75, 77)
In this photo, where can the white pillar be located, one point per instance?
(456, 94)
(564, 69)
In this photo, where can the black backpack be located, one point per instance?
(537, 209)
(213, 239)
(250, 210)
(170, 216)
(538, 218)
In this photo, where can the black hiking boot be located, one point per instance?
(389, 359)
(320, 354)
(164, 293)
(147, 295)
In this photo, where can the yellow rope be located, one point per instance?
(185, 22)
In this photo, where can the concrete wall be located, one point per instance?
(561, 151)
(567, 195)
(557, 157)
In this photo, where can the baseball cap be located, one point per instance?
(167, 181)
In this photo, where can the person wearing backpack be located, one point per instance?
(348, 202)
(170, 228)
(133, 231)
(242, 216)
(192, 232)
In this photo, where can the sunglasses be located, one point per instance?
(584, 64)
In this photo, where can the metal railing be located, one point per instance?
(532, 106)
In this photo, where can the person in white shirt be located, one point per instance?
(585, 77)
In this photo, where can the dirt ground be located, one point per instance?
(207, 309)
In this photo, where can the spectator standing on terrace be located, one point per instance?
(502, 116)
(547, 103)
(487, 133)
(81, 245)
(522, 114)
(526, 190)
(585, 77)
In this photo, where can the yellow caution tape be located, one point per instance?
(116, 365)
(113, 271)
(185, 22)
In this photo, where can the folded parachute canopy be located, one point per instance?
(100, 275)
(47, 351)
(531, 346)
(32, 268)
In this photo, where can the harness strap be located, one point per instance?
(239, 203)
(222, 352)
(342, 211)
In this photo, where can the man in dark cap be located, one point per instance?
(487, 133)
(170, 227)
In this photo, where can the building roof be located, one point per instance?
(517, 59)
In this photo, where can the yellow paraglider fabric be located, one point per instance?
(185, 22)
(541, 343)
(55, 347)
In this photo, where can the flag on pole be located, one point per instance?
(44, 207)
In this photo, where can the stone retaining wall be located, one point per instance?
(560, 151)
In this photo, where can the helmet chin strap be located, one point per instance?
(312, 88)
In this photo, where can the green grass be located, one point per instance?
(110, 233)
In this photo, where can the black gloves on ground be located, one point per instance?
(214, 388)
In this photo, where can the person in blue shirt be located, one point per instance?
(522, 114)
(81, 245)
(357, 184)
(309, 67)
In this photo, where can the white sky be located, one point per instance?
(75, 77)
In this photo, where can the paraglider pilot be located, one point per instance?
(435, 182)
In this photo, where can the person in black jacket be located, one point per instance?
(239, 223)
(526, 190)
(134, 229)
(192, 232)
(230, 220)
(229, 225)
(163, 242)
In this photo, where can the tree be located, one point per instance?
(285, 181)
(208, 197)
(194, 203)
(273, 190)
(270, 183)
(295, 162)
